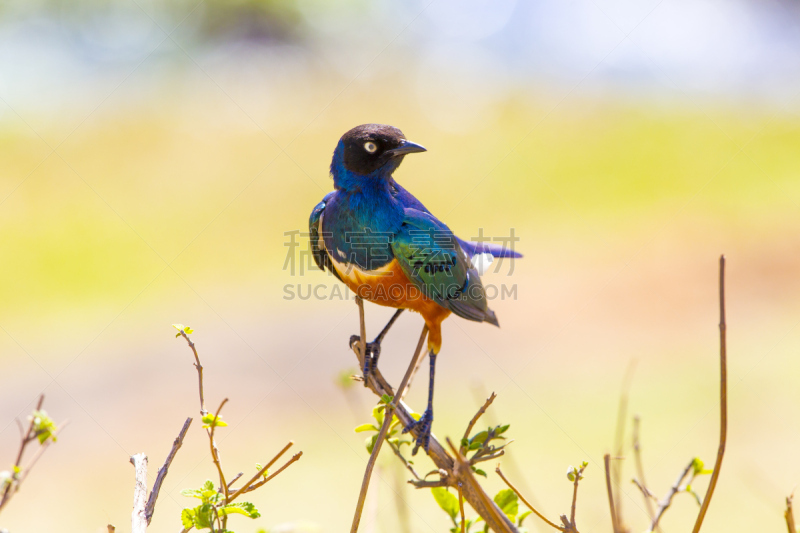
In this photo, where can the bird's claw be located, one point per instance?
(423, 427)
(371, 355)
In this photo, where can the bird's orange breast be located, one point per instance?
(390, 286)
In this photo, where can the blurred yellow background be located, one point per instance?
(154, 155)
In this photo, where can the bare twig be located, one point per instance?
(462, 472)
(254, 486)
(462, 450)
(637, 455)
(138, 517)
(259, 474)
(614, 520)
(461, 509)
(483, 458)
(575, 497)
(422, 484)
(362, 345)
(199, 368)
(162, 472)
(789, 515)
(18, 472)
(234, 480)
(215, 452)
(723, 399)
(38, 454)
(645, 492)
(388, 414)
(399, 455)
(25, 439)
(531, 507)
(665, 503)
(619, 438)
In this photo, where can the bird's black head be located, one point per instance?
(368, 147)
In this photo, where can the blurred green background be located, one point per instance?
(154, 155)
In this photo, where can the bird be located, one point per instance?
(388, 248)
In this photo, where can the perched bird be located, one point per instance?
(379, 240)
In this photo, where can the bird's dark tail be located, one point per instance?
(474, 248)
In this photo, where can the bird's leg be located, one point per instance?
(374, 348)
(423, 425)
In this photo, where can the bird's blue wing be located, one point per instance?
(431, 258)
(315, 237)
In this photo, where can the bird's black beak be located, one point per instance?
(406, 147)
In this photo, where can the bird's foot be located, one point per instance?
(423, 428)
(371, 355)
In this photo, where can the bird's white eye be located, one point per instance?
(370, 147)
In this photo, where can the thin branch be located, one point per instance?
(614, 520)
(472, 491)
(296, 457)
(422, 484)
(408, 466)
(637, 455)
(665, 503)
(26, 470)
(199, 368)
(622, 410)
(234, 480)
(573, 508)
(162, 472)
(462, 472)
(482, 458)
(723, 399)
(138, 518)
(25, 439)
(461, 508)
(215, 452)
(362, 346)
(789, 515)
(463, 450)
(260, 473)
(388, 414)
(528, 505)
(645, 492)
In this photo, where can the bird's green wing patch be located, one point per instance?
(431, 257)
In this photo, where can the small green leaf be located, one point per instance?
(479, 472)
(366, 427)
(571, 472)
(386, 398)
(209, 420)
(522, 517)
(698, 467)
(447, 501)
(43, 426)
(508, 502)
(244, 508)
(180, 328)
(370, 442)
(478, 440)
(464, 442)
(203, 516)
(187, 518)
(503, 429)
